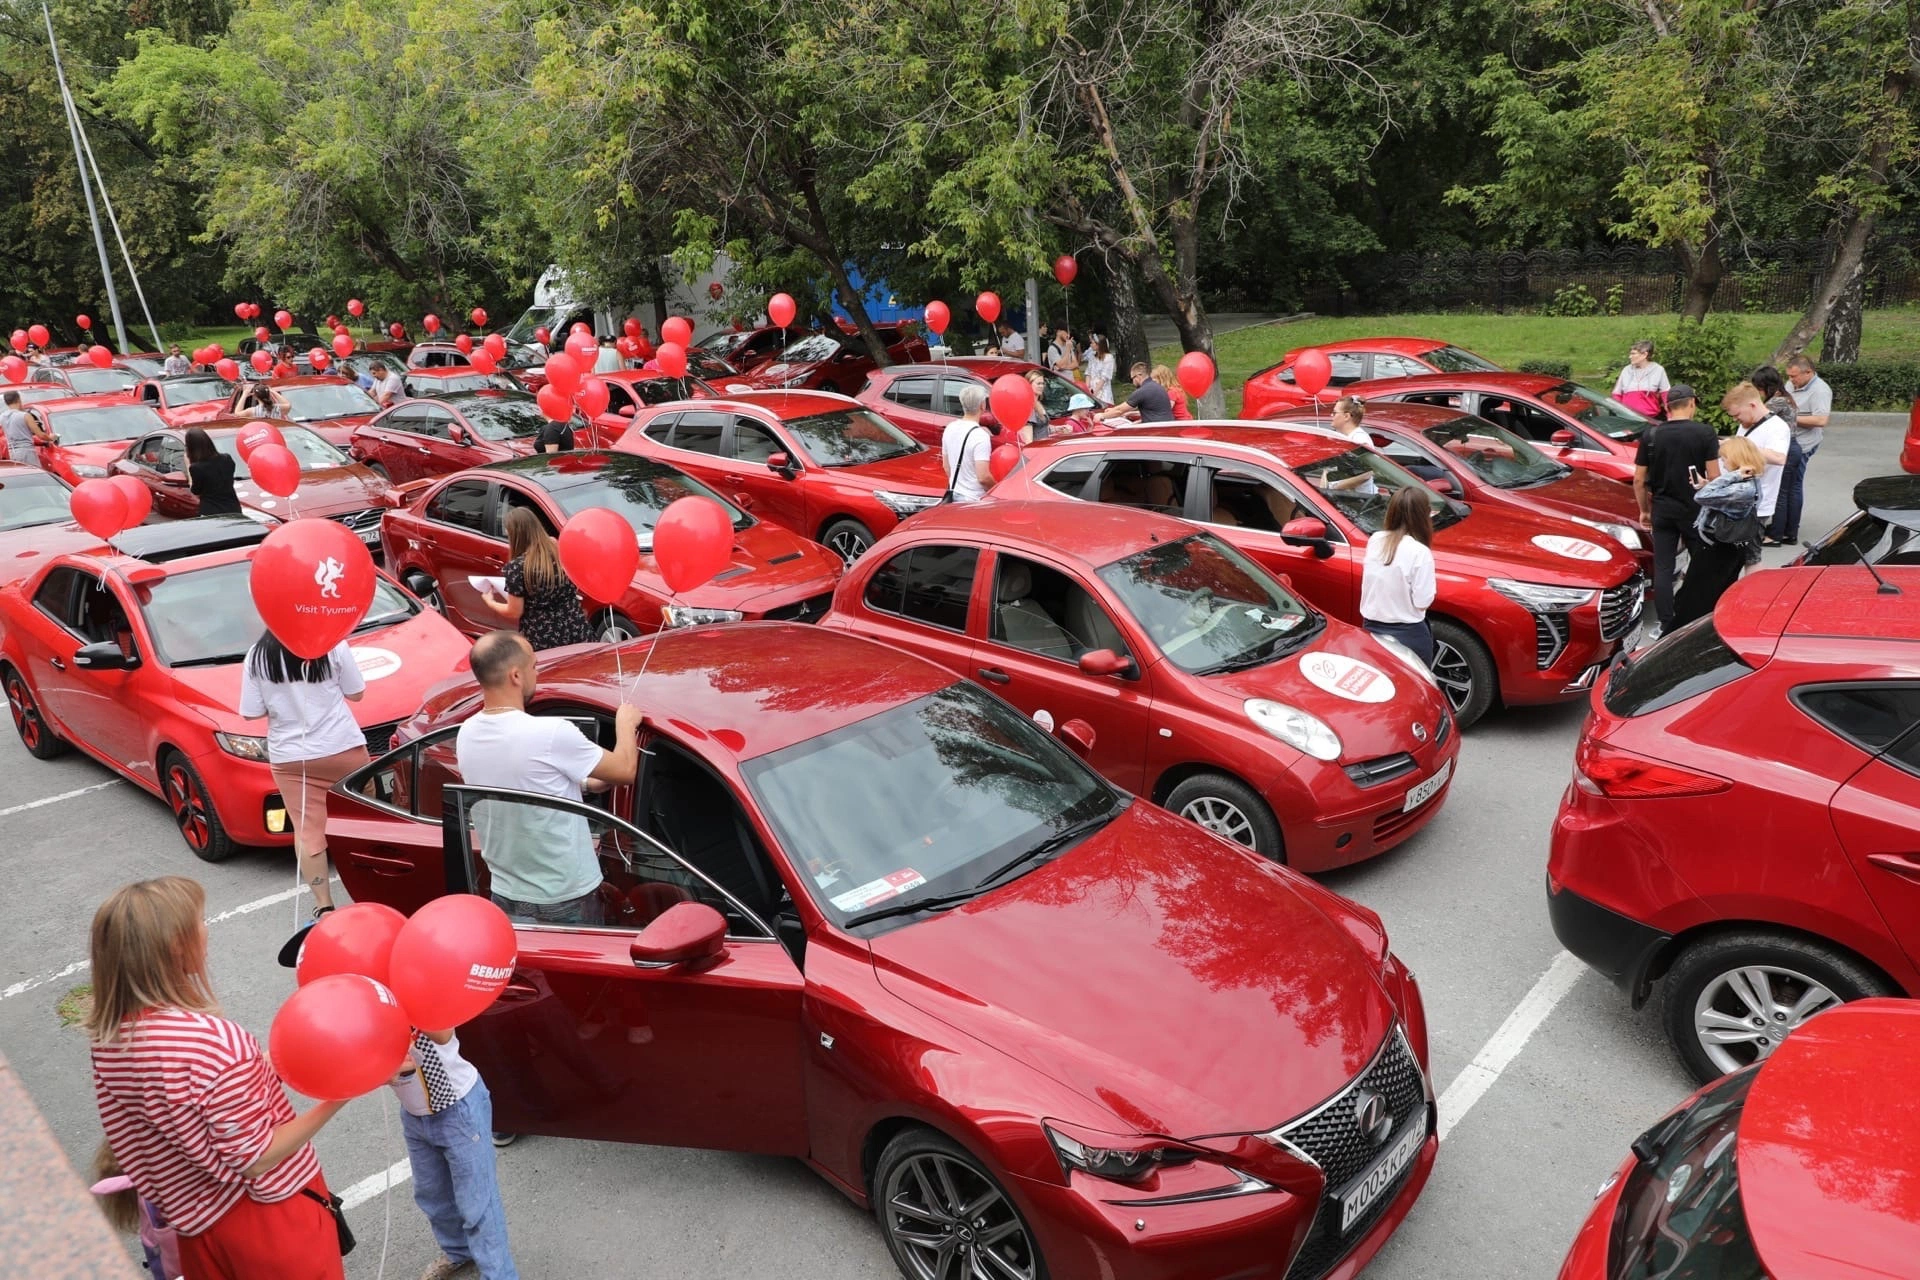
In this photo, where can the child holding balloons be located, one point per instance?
(446, 1114)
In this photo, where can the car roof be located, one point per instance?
(1841, 602)
(780, 403)
(1520, 383)
(1383, 413)
(1291, 446)
(481, 397)
(448, 371)
(984, 367)
(310, 380)
(101, 400)
(1097, 533)
(564, 470)
(1395, 346)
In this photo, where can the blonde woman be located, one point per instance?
(193, 1111)
(1176, 393)
(539, 595)
(1348, 415)
(1728, 529)
(1397, 583)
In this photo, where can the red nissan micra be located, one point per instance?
(863, 914)
(1208, 686)
(1802, 1168)
(1742, 816)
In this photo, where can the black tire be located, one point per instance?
(1465, 671)
(193, 812)
(1230, 809)
(609, 624)
(1789, 964)
(909, 1200)
(36, 735)
(847, 538)
(423, 585)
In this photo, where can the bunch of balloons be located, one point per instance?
(692, 542)
(104, 507)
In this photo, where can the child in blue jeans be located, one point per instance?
(447, 1116)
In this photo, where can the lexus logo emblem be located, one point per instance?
(1371, 1114)
(1419, 732)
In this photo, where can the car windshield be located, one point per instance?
(99, 382)
(1600, 413)
(145, 366)
(1495, 454)
(955, 787)
(206, 618)
(1867, 537)
(815, 346)
(506, 419)
(724, 342)
(432, 387)
(1208, 607)
(850, 438)
(1680, 1216)
(314, 453)
(197, 391)
(30, 497)
(548, 318)
(97, 426)
(1361, 483)
(327, 400)
(638, 492)
(1458, 360)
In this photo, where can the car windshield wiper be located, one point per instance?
(946, 901)
(1052, 844)
(939, 902)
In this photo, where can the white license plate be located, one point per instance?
(1423, 792)
(1374, 1182)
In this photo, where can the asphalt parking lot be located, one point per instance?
(1546, 1075)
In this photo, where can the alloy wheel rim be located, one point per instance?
(26, 719)
(951, 1223)
(189, 807)
(1451, 672)
(1222, 817)
(848, 544)
(1743, 1015)
(618, 629)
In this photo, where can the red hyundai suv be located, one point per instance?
(1272, 389)
(1740, 824)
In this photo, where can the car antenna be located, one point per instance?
(1885, 589)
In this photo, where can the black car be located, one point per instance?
(1884, 530)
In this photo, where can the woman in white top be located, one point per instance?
(312, 740)
(1099, 371)
(1642, 385)
(1396, 585)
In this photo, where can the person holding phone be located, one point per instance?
(538, 594)
(1672, 462)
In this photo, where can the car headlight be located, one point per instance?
(905, 504)
(680, 615)
(1541, 598)
(1624, 534)
(1130, 1163)
(1407, 656)
(88, 470)
(1295, 727)
(242, 745)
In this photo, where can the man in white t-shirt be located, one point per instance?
(1769, 433)
(542, 861)
(966, 446)
(388, 386)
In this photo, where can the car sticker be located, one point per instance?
(376, 664)
(1571, 548)
(888, 886)
(1280, 622)
(1345, 677)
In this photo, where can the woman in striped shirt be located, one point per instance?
(193, 1111)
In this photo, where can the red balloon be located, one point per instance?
(1065, 268)
(396, 330)
(642, 349)
(339, 1037)
(1002, 461)
(1012, 399)
(1311, 370)
(479, 318)
(430, 322)
(99, 357)
(333, 322)
(553, 402)
(138, 497)
(483, 361)
(354, 939)
(455, 955)
(1196, 373)
(99, 507)
(579, 326)
(582, 346)
(283, 320)
(780, 310)
(677, 329)
(600, 553)
(592, 396)
(692, 541)
(543, 336)
(276, 470)
(37, 334)
(14, 368)
(497, 344)
(672, 359)
(261, 334)
(631, 328)
(987, 306)
(356, 307)
(19, 340)
(240, 311)
(625, 346)
(464, 344)
(84, 321)
(319, 359)
(564, 373)
(938, 317)
(228, 369)
(262, 361)
(260, 433)
(253, 311)
(217, 351)
(343, 345)
(312, 580)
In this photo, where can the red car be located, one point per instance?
(820, 465)
(35, 521)
(921, 399)
(419, 439)
(629, 391)
(1802, 1168)
(187, 398)
(1570, 423)
(437, 355)
(86, 379)
(133, 656)
(1910, 446)
(1481, 461)
(438, 384)
(329, 405)
(31, 394)
(1741, 819)
(1356, 360)
(746, 349)
(1530, 607)
(709, 367)
(90, 432)
(1208, 686)
(887, 925)
(837, 362)
(448, 533)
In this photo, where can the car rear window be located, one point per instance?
(1686, 664)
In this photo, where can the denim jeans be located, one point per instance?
(584, 909)
(454, 1184)
(1417, 636)
(1785, 525)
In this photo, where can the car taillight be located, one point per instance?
(1605, 770)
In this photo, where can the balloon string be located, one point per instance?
(386, 1197)
(647, 657)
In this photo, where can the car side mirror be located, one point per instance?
(1442, 484)
(1562, 437)
(1307, 531)
(685, 933)
(104, 655)
(1105, 662)
(458, 434)
(783, 463)
(1078, 735)
(744, 501)
(626, 411)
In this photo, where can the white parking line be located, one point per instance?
(379, 1184)
(1498, 1053)
(64, 795)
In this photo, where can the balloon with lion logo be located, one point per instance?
(312, 580)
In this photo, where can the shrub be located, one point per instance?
(1873, 384)
(1572, 300)
(1705, 355)
(1551, 368)
(1616, 298)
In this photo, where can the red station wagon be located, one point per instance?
(1272, 389)
(887, 925)
(921, 399)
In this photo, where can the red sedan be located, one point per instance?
(187, 398)
(747, 349)
(438, 384)
(90, 432)
(1567, 422)
(1530, 608)
(86, 379)
(133, 656)
(921, 399)
(838, 362)
(888, 925)
(1272, 389)
(419, 439)
(1740, 825)
(817, 464)
(449, 533)
(1802, 1168)
(35, 521)
(328, 404)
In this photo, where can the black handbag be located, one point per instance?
(961, 461)
(331, 1203)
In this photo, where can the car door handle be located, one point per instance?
(59, 665)
(995, 674)
(519, 988)
(420, 448)
(381, 866)
(1901, 864)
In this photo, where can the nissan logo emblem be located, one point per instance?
(1371, 1114)
(1419, 732)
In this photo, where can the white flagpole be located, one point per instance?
(86, 188)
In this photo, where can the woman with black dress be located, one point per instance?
(539, 595)
(210, 476)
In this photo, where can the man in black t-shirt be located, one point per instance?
(1149, 400)
(1675, 457)
(555, 437)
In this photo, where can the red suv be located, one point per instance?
(835, 361)
(1354, 360)
(860, 913)
(921, 399)
(419, 439)
(1741, 819)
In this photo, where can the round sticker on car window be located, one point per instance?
(1571, 548)
(376, 663)
(1345, 677)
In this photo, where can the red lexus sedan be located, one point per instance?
(1802, 1168)
(420, 439)
(1567, 422)
(1209, 687)
(328, 404)
(187, 398)
(1530, 607)
(887, 925)
(837, 362)
(1740, 824)
(921, 399)
(90, 432)
(448, 534)
(1272, 389)
(133, 656)
(820, 465)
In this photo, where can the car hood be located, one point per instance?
(1583, 493)
(1502, 541)
(912, 472)
(769, 566)
(100, 454)
(327, 491)
(1186, 985)
(780, 372)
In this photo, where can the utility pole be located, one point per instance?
(86, 188)
(1033, 285)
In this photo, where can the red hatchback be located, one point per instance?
(90, 432)
(187, 398)
(86, 379)
(921, 399)
(448, 534)
(820, 465)
(1530, 607)
(887, 925)
(1802, 1168)
(836, 362)
(1272, 389)
(1200, 681)
(1740, 825)
(330, 405)
(420, 439)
